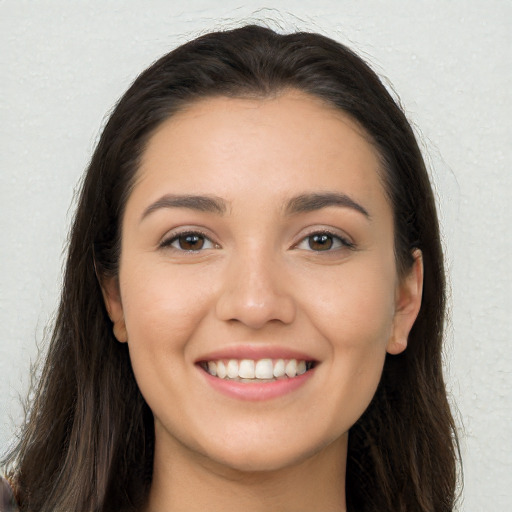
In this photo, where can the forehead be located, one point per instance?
(280, 146)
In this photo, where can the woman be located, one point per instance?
(253, 303)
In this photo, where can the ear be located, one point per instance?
(407, 305)
(112, 298)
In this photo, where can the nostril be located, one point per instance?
(255, 307)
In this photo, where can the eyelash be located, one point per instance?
(338, 241)
(175, 238)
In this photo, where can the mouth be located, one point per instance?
(257, 370)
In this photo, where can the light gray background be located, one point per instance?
(65, 63)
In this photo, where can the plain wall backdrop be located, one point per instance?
(64, 64)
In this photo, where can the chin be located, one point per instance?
(259, 462)
(267, 457)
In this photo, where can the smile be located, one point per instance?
(261, 370)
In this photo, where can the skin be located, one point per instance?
(258, 282)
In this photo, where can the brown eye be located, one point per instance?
(324, 241)
(320, 242)
(190, 242)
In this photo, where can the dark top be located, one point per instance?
(7, 502)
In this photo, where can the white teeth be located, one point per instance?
(232, 368)
(246, 369)
(291, 368)
(221, 370)
(212, 368)
(264, 369)
(279, 368)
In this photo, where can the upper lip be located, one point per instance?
(255, 352)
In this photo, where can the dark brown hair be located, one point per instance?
(88, 442)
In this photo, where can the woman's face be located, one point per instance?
(258, 242)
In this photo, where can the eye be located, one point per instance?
(190, 241)
(323, 242)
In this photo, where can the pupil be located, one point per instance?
(320, 242)
(191, 242)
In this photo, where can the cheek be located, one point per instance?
(162, 306)
(354, 307)
(354, 313)
(163, 309)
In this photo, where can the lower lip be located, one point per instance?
(255, 391)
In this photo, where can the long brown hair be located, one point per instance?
(88, 442)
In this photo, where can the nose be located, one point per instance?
(254, 293)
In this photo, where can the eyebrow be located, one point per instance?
(311, 202)
(300, 204)
(199, 203)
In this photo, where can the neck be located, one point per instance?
(182, 483)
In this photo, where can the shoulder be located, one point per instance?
(7, 502)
